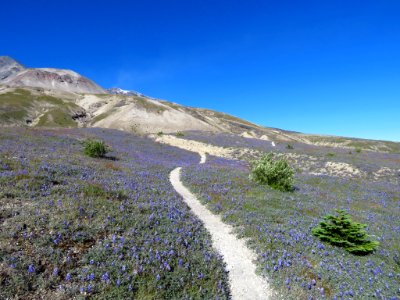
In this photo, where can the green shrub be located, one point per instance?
(179, 133)
(342, 231)
(289, 146)
(93, 190)
(330, 154)
(95, 148)
(97, 191)
(274, 172)
(160, 133)
(358, 149)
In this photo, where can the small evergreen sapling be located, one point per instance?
(340, 230)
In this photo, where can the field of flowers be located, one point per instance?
(278, 225)
(113, 228)
(367, 161)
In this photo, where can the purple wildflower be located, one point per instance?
(105, 277)
(31, 269)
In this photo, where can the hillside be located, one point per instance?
(74, 226)
(38, 107)
(47, 97)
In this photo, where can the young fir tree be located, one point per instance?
(341, 231)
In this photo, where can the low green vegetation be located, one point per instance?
(97, 149)
(273, 172)
(170, 104)
(340, 230)
(14, 106)
(232, 118)
(289, 146)
(149, 106)
(362, 144)
(102, 116)
(180, 134)
(56, 118)
(18, 107)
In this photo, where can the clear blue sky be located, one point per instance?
(330, 67)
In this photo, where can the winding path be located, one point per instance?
(244, 282)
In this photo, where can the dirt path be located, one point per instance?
(194, 146)
(244, 282)
(203, 158)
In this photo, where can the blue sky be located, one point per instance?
(329, 67)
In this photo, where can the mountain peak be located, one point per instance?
(119, 91)
(9, 67)
(13, 74)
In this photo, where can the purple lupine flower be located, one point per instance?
(313, 282)
(90, 277)
(57, 239)
(180, 262)
(31, 269)
(166, 266)
(68, 277)
(55, 271)
(105, 277)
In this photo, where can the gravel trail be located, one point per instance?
(245, 283)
